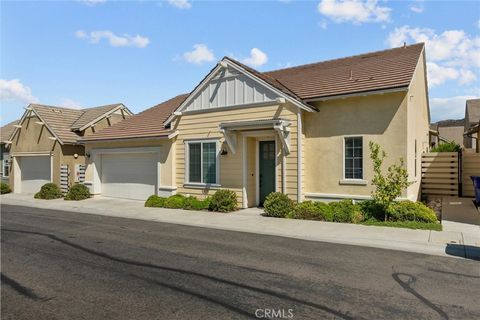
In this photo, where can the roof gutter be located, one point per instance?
(358, 94)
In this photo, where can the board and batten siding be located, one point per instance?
(206, 126)
(230, 88)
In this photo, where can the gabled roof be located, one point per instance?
(472, 111)
(91, 115)
(63, 122)
(379, 70)
(6, 131)
(148, 123)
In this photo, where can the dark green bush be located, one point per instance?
(155, 201)
(4, 188)
(447, 147)
(278, 205)
(372, 210)
(411, 211)
(49, 191)
(176, 201)
(346, 211)
(223, 201)
(309, 210)
(78, 192)
(192, 203)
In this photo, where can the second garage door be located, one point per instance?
(129, 175)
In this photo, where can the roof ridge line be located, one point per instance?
(342, 58)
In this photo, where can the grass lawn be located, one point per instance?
(404, 224)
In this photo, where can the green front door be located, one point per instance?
(266, 175)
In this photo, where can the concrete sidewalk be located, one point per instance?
(457, 239)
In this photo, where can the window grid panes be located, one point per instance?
(202, 164)
(354, 158)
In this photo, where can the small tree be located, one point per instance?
(389, 187)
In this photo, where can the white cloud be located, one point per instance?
(355, 11)
(451, 55)
(69, 103)
(114, 40)
(91, 3)
(200, 54)
(448, 108)
(257, 58)
(417, 6)
(181, 4)
(11, 90)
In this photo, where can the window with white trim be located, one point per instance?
(353, 154)
(202, 162)
(5, 168)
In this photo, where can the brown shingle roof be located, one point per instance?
(148, 123)
(59, 120)
(379, 70)
(91, 114)
(6, 131)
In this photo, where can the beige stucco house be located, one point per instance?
(472, 124)
(44, 144)
(5, 133)
(303, 131)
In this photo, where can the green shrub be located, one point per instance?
(278, 205)
(447, 147)
(176, 201)
(155, 201)
(49, 191)
(371, 210)
(412, 211)
(345, 211)
(78, 192)
(192, 203)
(223, 201)
(310, 210)
(4, 188)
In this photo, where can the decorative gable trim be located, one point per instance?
(272, 94)
(28, 112)
(106, 114)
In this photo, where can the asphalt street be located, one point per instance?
(63, 265)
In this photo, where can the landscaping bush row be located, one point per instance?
(51, 191)
(279, 205)
(221, 201)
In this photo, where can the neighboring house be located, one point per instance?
(303, 131)
(45, 139)
(449, 131)
(6, 132)
(472, 122)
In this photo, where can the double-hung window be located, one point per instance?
(353, 162)
(5, 165)
(202, 162)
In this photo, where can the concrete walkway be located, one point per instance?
(457, 239)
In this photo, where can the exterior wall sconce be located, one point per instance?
(87, 154)
(75, 155)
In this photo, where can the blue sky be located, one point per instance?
(89, 53)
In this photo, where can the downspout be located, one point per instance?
(299, 156)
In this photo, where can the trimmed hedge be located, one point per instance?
(155, 201)
(78, 192)
(278, 205)
(192, 203)
(4, 188)
(309, 210)
(49, 191)
(346, 211)
(223, 200)
(412, 211)
(176, 201)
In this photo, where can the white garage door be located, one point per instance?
(35, 172)
(129, 175)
